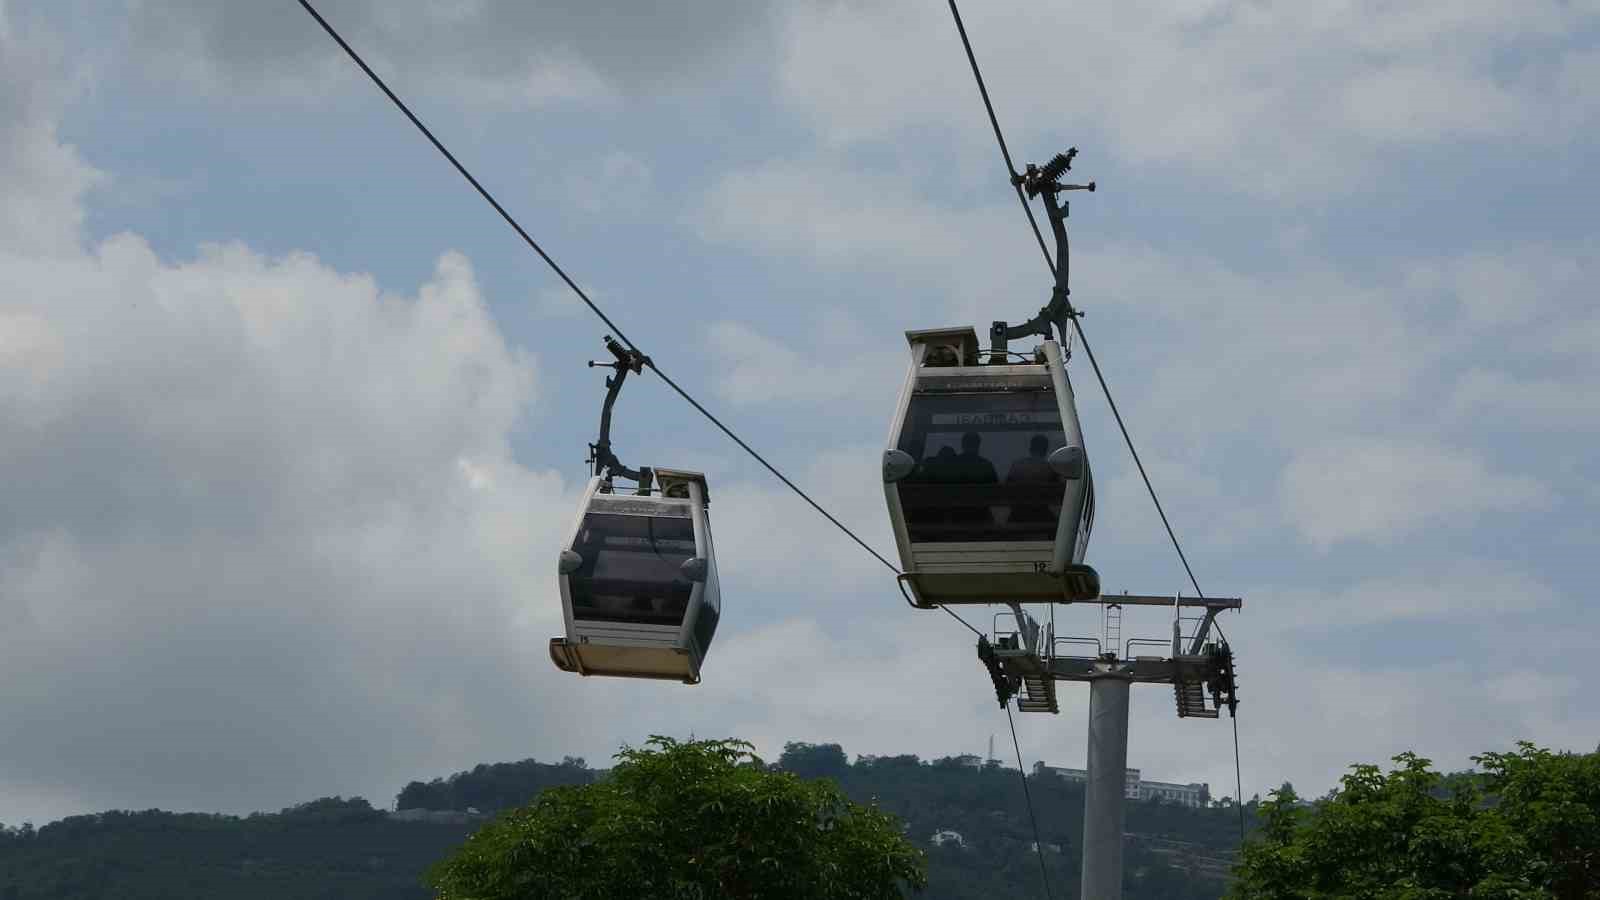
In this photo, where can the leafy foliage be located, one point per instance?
(493, 787)
(342, 848)
(696, 819)
(814, 760)
(1528, 826)
(333, 848)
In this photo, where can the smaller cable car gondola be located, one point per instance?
(638, 574)
(986, 476)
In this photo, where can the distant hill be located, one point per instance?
(338, 848)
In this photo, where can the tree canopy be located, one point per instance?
(695, 819)
(1528, 826)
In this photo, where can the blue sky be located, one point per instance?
(293, 422)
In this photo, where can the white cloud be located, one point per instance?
(760, 370)
(1459, 591)
(1276, 99)
(1379, 490)
(260, 516)
(1487, 398)
(257, 514)
(43, 182)
(769, 539)
(595, 187)
(822, 210)
(494, 52)
(557, 301)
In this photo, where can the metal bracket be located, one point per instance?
(1005, 686)
(606, 465)
(1058, 313)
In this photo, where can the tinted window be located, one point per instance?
(981, 473)
(630, 570)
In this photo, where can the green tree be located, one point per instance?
(1528, 826)
(814, 760)
(695, 819)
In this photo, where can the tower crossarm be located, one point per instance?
(1140, 669)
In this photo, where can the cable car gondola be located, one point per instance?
(986, 476)
(638, 574)
(987, 481)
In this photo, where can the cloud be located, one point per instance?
(262, 514)
(770, 540)
(557, 301)
(760, 370)
(263, 537)
(1456, 591)
(43, 181)
(261, 517)
(1543, 404)
(1373, 489)
(594, 187)
(488, 51)
(824, 211)
(1277, 100)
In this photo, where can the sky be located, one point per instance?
(291, 424)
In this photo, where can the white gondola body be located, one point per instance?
(639, 587)
(987, 479)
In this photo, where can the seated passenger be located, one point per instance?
(941, 467)
(974, 469)
(1034, 468)
(936, 469)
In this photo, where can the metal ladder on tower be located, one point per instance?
(1113, 627)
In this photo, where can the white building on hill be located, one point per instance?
(1135, 788)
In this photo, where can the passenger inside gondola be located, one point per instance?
(1035, 469)
(963, 443)
(631, 569)
(974, 468)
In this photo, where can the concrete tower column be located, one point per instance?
(1103, 813)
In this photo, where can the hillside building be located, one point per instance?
(1136, 788)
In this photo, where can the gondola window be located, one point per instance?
(631, 569)
(982, 472)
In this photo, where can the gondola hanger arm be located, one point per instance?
(1058, 313)
(605, 462)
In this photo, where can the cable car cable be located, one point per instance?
(1011, 170)
(994, 123)
(1077, 324)
(1038, 848)
(555, 267)
(962, 621)
(528, 239)
(350, 51)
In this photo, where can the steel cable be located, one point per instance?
(1077, 324)
(594, 308)
(528, 239)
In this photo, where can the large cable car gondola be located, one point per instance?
(986, 476)
(638, 574)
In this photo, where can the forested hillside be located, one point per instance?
(344, 848)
